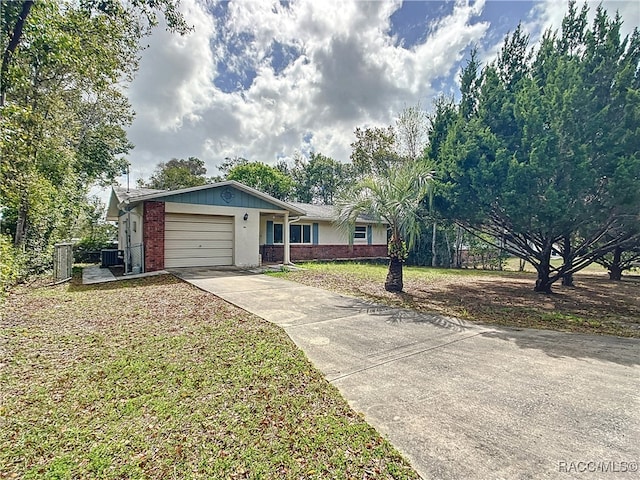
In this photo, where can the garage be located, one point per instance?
(198, 240)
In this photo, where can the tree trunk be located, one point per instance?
(449, 251)
(394, 276)
(615, 273)
(433, 246)
(543, 283)
(14, 40)
(21, 224)
(615, 269)
(458, 246)
(567, 278)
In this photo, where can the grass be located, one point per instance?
(596, 305)
(153, 378)
(513, 264)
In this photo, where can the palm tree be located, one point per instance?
(395, 198)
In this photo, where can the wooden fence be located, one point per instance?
(62, 261)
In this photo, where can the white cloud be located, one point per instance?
(350, 73)
(175, 79)
(548, 14)
(551, 12)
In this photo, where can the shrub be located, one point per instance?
(87, 250)
(12, 265)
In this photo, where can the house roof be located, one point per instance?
(316, 212)
(121, 196)
(122, 193)
(326, 212)
(131, 197)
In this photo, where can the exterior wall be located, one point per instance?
(275, 253)
(249, 236)
(133, 220)
(328, 233)
(246, 246)
(380, 235)
(153, 236)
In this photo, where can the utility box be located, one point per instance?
(109, 258)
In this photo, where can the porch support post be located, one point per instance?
(285, 226)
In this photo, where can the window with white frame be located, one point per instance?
(298, 233)
(360, 232)
(278, 236)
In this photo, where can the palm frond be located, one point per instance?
(395, 199)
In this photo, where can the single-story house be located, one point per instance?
(228, 223)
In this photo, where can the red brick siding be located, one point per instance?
(153, 236)
(275, 253)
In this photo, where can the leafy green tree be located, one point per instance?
(63, 113)
(91, 223)
(469, 84)
(424, 250)
(444, 115)
(12, 265)
(411, 133)
(374, 151)
(93, 231)
(320, 179)
(395, 198)
(229, 163)
(548, 159)
(378, 150)
(14, 16)
(262, 177)
(626, 253)
(177, 173)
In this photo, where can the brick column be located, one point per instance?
(153, 236)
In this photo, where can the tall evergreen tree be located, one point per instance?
(549, 160)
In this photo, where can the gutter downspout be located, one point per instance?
(127, 252)
(287, 254)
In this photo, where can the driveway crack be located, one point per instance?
(401, 357)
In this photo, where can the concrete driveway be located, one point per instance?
(459, 400)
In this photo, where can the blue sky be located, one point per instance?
(264, 80)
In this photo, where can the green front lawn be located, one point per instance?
(154, 378)
(596, 304)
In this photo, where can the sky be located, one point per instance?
(263, 80)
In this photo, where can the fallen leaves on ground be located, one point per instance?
(595, 305)
(153, 378)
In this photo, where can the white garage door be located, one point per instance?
(197, 240)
